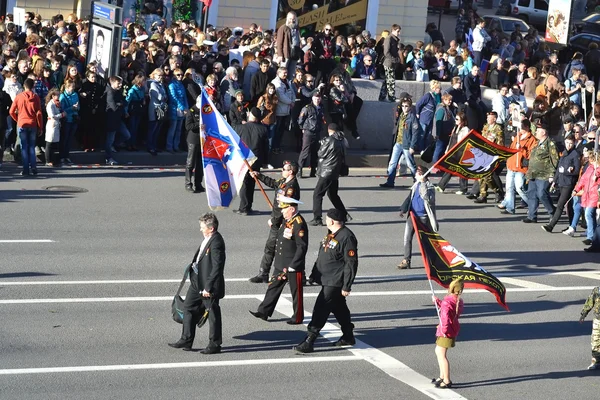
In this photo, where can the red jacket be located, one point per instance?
(27, 110)
(589, 184)
(449, 325)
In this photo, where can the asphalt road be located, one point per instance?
(87, 314)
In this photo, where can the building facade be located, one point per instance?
(347, 16)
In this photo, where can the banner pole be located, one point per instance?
(436, 306)
(259, 185)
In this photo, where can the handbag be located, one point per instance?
(422, 75)
(427, 154)
(177, 304)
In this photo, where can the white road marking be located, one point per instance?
(590, 275)
(523, 283)
(28, 241)
(388, 364)
(253, 296)
(199, 364)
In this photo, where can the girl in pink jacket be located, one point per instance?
(587, 188)
(450, 309)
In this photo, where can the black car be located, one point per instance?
(579, 43)
(591, 24)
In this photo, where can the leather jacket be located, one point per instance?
(331, 155)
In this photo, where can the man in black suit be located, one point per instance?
(207, 287)
(256, 136)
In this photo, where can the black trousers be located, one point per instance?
(296, 280)
(329, 186)
(324, 68)
(352, 111)
(565, 195)
(269, 254)
(247, 191)
(193, 166)
(310, 147)
(409, 234)
(464, 183)
(193, 308)
(330, 300)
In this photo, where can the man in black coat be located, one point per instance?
(115, 111)
(331, 157)
(193, 165)
(311, 121)
(335, 269)
(258, 83)
(292, 245)
(286, 186)
(207, 287)
(256, 137)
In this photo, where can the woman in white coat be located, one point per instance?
(53, 124)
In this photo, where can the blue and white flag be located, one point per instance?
(469, 40)
(223, 155)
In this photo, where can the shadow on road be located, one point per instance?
(526, 378)
(24, 275)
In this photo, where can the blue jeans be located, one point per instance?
(111, 136)
(538, 191)
(576, 211)
(134, 126)
(271, 134)
(514, 181)
(66, 136)
(440, 149)
(425, 137)
(27, 136)
(590, 220)
(397, 153)
(153, 131)
(174, 134)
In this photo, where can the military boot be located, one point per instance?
(262, 277)
(307, 345)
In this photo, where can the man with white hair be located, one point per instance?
(229, 85)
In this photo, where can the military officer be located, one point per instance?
(288, 187)
(335, 269)
(492, 131)
(290, 256)
(593, 303)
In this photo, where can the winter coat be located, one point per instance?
(566, 178)
(67, 101)
(158, 97)
(135, 100)
(426, 108)
(177, 99)
(331, 155)
(525, 146)
(53, 123)
(449, 326)
(337, 99)
(27, 111)
(228, 89)
(286, 96)
(115, 108)
(589, 184)
(251, 69)
(268, 108)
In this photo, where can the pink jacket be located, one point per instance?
(589, 184)
(449, 325)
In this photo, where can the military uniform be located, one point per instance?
(593, 303)
(543, 161)
(290, 257)
(494, 134)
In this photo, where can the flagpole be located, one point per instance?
(436, 306)
(259, 185)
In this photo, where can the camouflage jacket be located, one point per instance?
(592, 302)
(493, 134)
(543, 160)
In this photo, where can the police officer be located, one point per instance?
(335, 269)
(292, 245)
(288, 187)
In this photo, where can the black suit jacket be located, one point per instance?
(211, 265)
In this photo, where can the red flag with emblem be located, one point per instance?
(207, 3)
(444, 263)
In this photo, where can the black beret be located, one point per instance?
(256, 112)
(337, 215)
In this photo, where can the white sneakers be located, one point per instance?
(569, 231)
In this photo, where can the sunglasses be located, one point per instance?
(327, 30)
(178, 74)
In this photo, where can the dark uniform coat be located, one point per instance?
(292, 245)
(287, 189)
(337, 262)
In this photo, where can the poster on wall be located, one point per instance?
(19, 18)
(557, 24)
(100, 49)
(348, 17)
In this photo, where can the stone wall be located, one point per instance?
(411, 15)
(48, 8)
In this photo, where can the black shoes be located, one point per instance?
(307, 345)
(471, 196)
(211, 350)
(386, 185)
(180, 344)
(587, 242)
(480, 200)
(506, 212)
(293, 322)
(529, 221)
(547, 228)
(316, 222)
(199, 189)
(591, 249)
(259, 315)
(259, 279)
(345, 342)
(240, 212)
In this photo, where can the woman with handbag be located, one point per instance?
(69, 103)
(157, 108)
(178, 108)
(136, 99)
(267, 103)
(450, 309)
(55, 114)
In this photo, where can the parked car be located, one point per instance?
(505, 25)
(534, 12)
(591, 24)
(579, 43)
